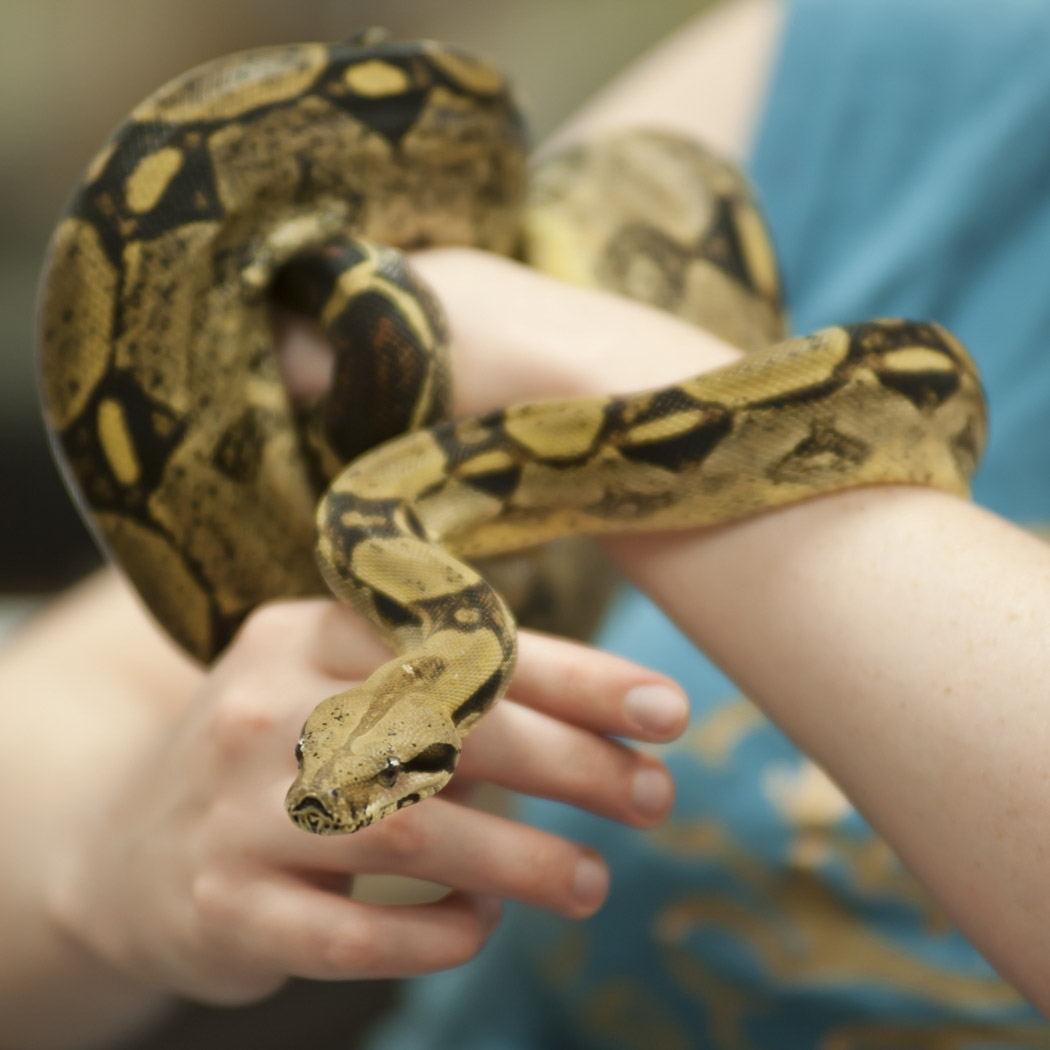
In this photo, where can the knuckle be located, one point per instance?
(271, 624)
(240, 716)
(576, 677)
(604, 779)
(464, 945)
(568, 671)
(350, 948)
(209, 900)
(546, 873)
(583, 782)
(582, 770)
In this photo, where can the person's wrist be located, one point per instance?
(521, 335)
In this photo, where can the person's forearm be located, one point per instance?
(899, 636)
(68, 724)
(706, 81)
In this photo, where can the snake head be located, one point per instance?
(358, 764)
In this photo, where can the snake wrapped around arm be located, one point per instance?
(299, 175)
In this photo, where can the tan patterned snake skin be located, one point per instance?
(283, 174)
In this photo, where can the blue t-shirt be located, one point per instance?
(903, 160)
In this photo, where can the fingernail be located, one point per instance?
(651, 793)
(656, 709)
(591, 883)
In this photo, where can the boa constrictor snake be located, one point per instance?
(295, 173)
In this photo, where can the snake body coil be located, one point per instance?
(287, 173)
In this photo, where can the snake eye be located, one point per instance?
(391, 770)
(299, 752)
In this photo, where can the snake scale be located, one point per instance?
(298, 174)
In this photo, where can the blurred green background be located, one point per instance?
(71, 69)
(69, 72)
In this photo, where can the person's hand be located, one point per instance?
(193, 880)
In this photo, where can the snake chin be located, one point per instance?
(339, 811)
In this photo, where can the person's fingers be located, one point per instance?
(289, 927)
(555, 746)
(595, 690)
(572, 682)
(536, 754)
(466, 849)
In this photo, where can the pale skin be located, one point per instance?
(156, 842)
(155, 857)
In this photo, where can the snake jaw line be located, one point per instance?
(322, 810)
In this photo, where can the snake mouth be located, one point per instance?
(311, 815)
